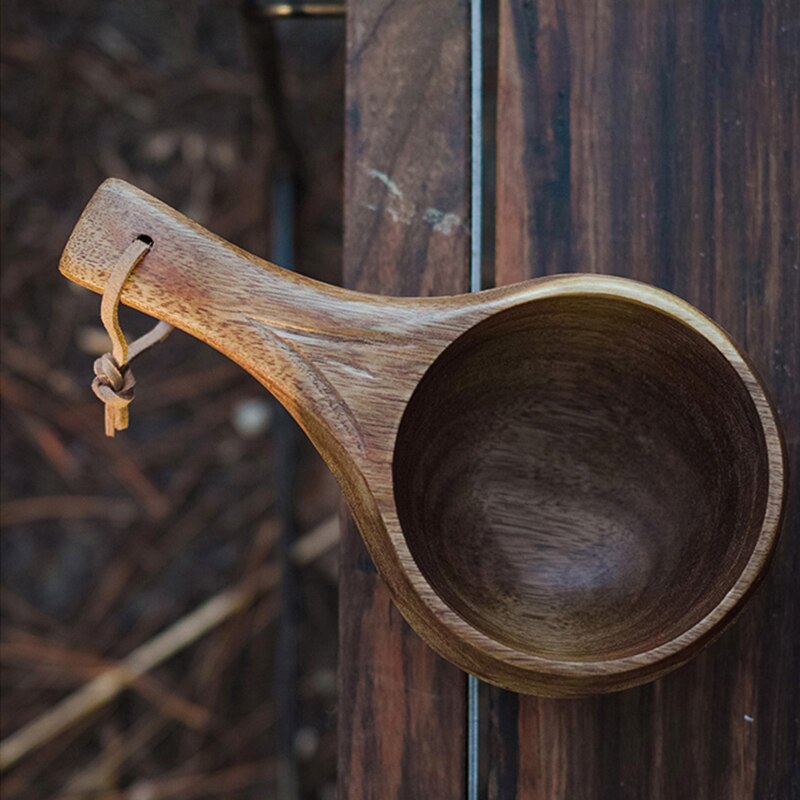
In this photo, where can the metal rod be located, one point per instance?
(285, 185)
(476, 231)
(284, 430)
(476, 137)
(473, 754)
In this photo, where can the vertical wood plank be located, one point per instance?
(401, 707)
(661, 141)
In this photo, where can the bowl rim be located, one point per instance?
(478, 646)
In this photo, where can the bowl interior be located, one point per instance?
(581, 478)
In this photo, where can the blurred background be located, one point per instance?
(176, 586)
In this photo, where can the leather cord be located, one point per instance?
(114, 381)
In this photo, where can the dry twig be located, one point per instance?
(106, 687)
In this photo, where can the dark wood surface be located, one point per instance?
(662, 141)
(401, 707)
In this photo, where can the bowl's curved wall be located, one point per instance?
(581, 478)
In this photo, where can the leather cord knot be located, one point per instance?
(114, 386)
(114, 381)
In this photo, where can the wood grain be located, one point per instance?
(569, 485)
(401, 707)
(660, 141)
(580, 478)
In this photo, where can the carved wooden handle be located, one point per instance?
(318, 348)
(192, 278)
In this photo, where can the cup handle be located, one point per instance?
(316, 347)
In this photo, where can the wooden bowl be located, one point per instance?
(582, 478)
(570, 485)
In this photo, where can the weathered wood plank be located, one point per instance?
(660, 141)
(401, 708)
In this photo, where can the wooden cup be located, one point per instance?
(570, 485)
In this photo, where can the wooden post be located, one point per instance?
(660, 141)
(401, 707)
